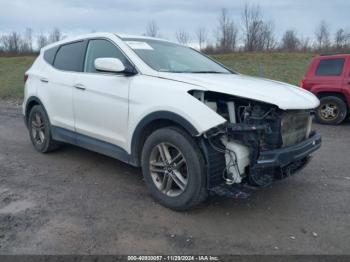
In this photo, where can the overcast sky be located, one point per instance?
(131, 16)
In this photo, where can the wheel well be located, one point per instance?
(336, 94)
(147, 130)
(29, 107)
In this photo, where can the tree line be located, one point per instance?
(254, 33)
(23, 43)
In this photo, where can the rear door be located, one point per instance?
(328, 74)
(57, 83)
(101, 100)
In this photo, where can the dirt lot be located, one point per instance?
(78, 202)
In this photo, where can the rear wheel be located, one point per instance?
(173, 168)
(40, 130)
(332, 110)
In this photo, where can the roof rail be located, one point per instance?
(330, 54)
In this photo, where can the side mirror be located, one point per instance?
(109, 65)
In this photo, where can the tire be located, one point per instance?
(40, 130)
(332, 111)
(184, 193)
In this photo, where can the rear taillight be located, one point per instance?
(25, 78)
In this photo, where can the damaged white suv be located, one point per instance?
(193, 125)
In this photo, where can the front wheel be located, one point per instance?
(173, 169)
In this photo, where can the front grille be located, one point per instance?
(295, 127)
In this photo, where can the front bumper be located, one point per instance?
(272, 165)
(266, 165)
(284, 156)
(281, 163)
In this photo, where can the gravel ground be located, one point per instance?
(74, 201)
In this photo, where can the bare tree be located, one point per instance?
(305, 44)
(182, 37)
(209, 49)
(227, 33)
(55, 35)
(290, 41)
(251, 18)
(42, 40)
(12, 42)
(16, 41)
(268, 41)
(257, 34)
(201, 34)
(152, 29)
(4, 43)
(341, 39)
(322, 36)
(27, 41)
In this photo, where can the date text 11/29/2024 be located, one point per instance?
(173, 258)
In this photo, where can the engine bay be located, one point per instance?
(252, 127)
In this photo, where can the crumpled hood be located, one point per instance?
(285, 96)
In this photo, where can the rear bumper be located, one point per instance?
(288, 155)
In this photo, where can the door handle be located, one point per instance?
(80, 86)
(44, 80)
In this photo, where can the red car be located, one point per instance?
(328, 77)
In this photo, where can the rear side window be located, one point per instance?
(100, 48)
(330, 67)
(49, 55)
(70, 57)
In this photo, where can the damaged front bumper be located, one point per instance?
(284, 156)
(265, 166)
(281, 163)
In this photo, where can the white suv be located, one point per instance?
(193, 125)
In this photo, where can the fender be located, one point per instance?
(328, 89)
(26, 106)
(159, 115)
(324, 88)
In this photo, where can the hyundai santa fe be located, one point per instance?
(192, 125)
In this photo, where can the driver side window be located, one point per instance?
(99, 48)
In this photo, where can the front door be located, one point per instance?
(101, 99)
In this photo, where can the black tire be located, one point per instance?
(42, 144)
(338, 106)
(195, 190)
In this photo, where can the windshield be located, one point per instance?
(169, 57)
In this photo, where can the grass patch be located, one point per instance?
(285, 67)
(12, 70)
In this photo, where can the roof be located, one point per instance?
(335, 55)
(100, 34)
(123, 36)
(137, 36)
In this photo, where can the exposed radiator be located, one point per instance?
(295, 127)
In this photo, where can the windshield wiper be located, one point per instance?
(207, 72)
(193, 72)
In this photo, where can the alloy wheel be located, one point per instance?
(38, 128)
(168, 169)
(329, 111)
